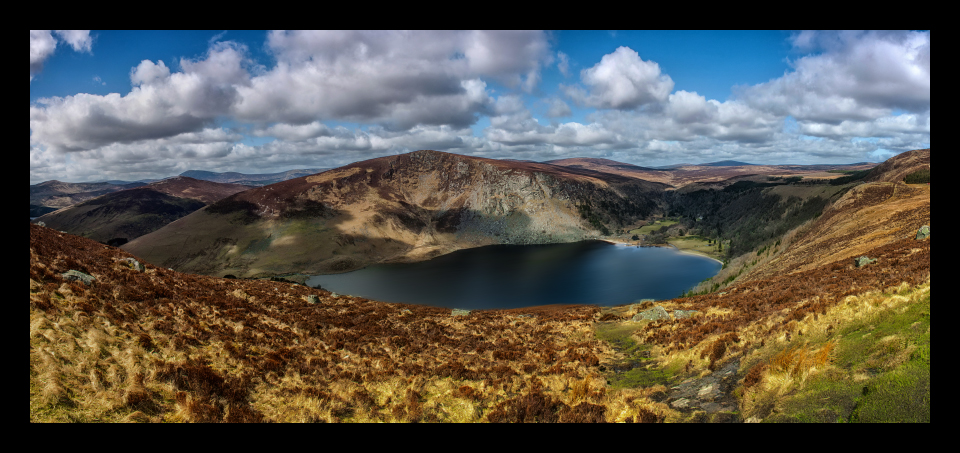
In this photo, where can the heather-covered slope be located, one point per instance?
(408, 207)
(126, 214)
(160, 345)
(716, 173)
(57, 194)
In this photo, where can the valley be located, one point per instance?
(790, 321)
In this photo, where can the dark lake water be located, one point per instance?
(513, 276)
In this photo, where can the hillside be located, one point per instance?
(131, 213)
(716, 173)
(397, 208)
(197, 189)
(160, 345)
(57, 194)
(120, 216)
(261, 179)
(806, 335)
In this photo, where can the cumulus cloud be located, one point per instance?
(79, 40)
(161, 104)
(622, 80)
(398, 79)
(564, 64)
(557, 108)
(42, 45)
(858, 76)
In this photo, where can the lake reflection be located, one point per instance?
(512, 276)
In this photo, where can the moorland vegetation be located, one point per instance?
(797, 329)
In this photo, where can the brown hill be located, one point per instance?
(120, 216)
(197, 189)
(161, 345)
(897, 167)
(128, 214)
(707, 174)
(804, 339)
(59, 194)
(397, 208)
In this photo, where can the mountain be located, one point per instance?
(57, 194)
(249, 179)
(717, 174)
(127, 214)
(197, 189)
(408, 207)
(725, 163)
(897, 167)
(799, 332)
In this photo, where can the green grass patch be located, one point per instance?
(647, 229)
(638, 369)
(880, 373)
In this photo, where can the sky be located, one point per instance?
(131, 105)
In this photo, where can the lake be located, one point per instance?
(513, 276)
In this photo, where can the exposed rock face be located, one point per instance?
(408, 207)
(654, 314)
(73, 275)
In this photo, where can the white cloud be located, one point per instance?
(564, 64)
(42, 45)
(859, 76)
(622, 80)
(79, 40)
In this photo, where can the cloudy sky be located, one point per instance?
(150, 104)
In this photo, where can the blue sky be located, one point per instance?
(150, 104)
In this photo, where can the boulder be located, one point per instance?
(863, 261)
(73, 275)
(334, 295)
(313, 299)
(654, 314)
(459, 312)
(133, 264)
(924, 232)
(680, 314)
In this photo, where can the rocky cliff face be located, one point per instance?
(397, 208)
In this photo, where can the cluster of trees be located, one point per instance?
(918, 177)
(743, 214)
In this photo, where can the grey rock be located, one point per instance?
(40, 223)
(680, 314)
(133, 264)
(313, 299)
(73, 275)
(654, 313)
(406, 311)
(459, 312)
(924, 232)
(863, 261)
(334, 295)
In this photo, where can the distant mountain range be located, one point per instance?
(130, 213)
(262, 179)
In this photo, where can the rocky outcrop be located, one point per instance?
(923, 233)
(863, 261)
(74, 276)
(655, 313)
